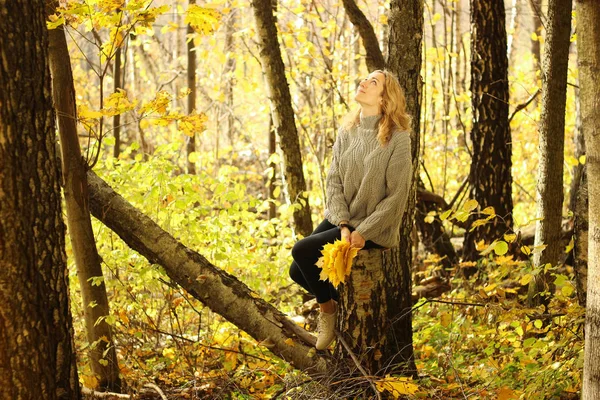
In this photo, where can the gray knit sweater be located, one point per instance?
(368, 184)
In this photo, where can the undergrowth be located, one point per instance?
(476, 341)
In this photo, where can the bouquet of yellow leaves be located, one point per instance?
(336, 261)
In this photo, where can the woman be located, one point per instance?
(367, 189)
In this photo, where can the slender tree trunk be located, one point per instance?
(191, 99)
(513, 29)
(552, 144)
(103, 358)
(229, 73)
(578, 204)
(579, 142)
(116, 118)
(283, 113)
(581, 238)
(37, 357)
(588, 48)
(536, 12)
(218, 290)
(273, 166)
(490, 174)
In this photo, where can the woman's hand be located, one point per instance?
(356, 240)
(345, 234)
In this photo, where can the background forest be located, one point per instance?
(174, 113)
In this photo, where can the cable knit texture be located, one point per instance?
(367, 183)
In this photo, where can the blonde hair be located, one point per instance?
(393, 110)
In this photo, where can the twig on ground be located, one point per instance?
(360, 368)
(102, 395)
(160, 392)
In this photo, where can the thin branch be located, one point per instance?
(360, 368)
(524, 105)
(157, 389)
(102, 395)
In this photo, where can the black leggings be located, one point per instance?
(307, 251)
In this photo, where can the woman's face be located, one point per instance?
(369, 91)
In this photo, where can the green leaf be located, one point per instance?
(501, 248)
(445, 214)
(567, 290)
(470, 205)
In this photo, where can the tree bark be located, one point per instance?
(515, 12)
(552, 145)
(222, 293)
(89, 271)
(37, 358)
(536, 12)
(404, 59)
(191, 100)
(117, 85)
(374, 56)
(365, 322)
(283, 113)
(490, 174)
(581, 238)
(588, 46)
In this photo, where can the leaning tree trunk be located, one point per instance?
(552, 146)
(283, 113)
(103, 357)
(588, 47)
(222, 293)
(37, 358)
(374, 57)
(490, 174)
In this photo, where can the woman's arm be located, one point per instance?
(336, 208)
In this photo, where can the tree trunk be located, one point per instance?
(579, 142)
(191, 100)
(363, 321)
(588, 47)
(103, 358)
(222, 293)
(404, 59)
(374, 56)
(229, 72)
(283, 114)
(536, 12)
(581, 237)
(513, 29)
(552, 145)
(578, 204)
(490, 174)
(37, 358)
(273, 166)
(117, 85)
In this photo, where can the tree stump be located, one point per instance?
(366, 301)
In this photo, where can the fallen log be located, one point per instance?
(223, 293)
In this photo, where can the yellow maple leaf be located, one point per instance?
(336, 262)
(396, 386)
